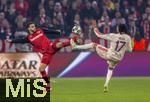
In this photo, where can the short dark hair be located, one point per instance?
(29, 23)
(122, 28)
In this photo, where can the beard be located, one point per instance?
(32, 31)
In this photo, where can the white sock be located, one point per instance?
(85, 46)
(108, 77)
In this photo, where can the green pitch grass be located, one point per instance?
(134, 89)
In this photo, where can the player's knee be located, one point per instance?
(112, 65)
(93, 45)
(111, 68)
(42, 67)
(59, 45)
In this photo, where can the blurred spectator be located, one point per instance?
(79, 4)
(20, 30)
(109, 5)
(65, 6)
(125, 9)
(33, 9)
(87, 28)
(4, 27)
(101, 21)
(87, 11)
(140, 7)
(70, 16)
(147, 12)
(21, 33)
(106, 27)
(42, 19)
(132, 27)
(146, 29)
(117, 20)
(58, 22)
(3, 5)
(11, 16)
(148, 2)
(49, 7)
(134, 14)
(117, 6)
(96, 11)
(57, 8)
(77, 19)
(22, 6)
(145, 26)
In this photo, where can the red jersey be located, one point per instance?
(40, 42)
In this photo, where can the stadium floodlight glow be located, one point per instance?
(78, 60)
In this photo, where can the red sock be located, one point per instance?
(44, 76)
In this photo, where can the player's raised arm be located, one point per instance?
(98, 33)
(22, 40)
(96, 30)
(51, 31)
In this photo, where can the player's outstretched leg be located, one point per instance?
(112, 65)
(108, 77)
(62, 44)
(81, 47)
(45, 76)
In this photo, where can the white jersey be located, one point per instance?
(119, 44)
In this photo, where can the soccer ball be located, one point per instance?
(76, 29)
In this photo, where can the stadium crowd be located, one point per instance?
(63, 14)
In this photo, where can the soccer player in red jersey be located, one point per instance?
(43, 45)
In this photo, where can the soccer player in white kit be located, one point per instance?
(119, 44)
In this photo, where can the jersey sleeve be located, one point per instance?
(103, 36)
(39, 31)
(107, 36)
(130, 45)
(22, 40)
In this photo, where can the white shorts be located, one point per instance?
(103, 53)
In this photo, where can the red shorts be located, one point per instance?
(47, 57)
